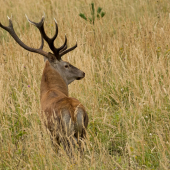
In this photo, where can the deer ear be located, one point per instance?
(51, 57)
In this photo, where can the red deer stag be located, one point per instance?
(64, 116)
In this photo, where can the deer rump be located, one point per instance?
(65, 118)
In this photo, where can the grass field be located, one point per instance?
(126, 91)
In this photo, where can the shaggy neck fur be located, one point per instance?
(51, 80)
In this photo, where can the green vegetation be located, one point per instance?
(91, 19)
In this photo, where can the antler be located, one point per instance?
(11, 31)
(58, 52)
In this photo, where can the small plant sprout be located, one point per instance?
(100, 14)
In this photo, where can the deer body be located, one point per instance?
(65, 117)
(64, 114)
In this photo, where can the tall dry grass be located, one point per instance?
(126, 58)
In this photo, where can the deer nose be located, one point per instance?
(82, 76)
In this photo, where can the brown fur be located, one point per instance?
(54, 100)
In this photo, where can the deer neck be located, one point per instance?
(52, 80)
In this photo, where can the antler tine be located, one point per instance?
(68, 50)
(64, 46)
(11, 31)
(50, 41)
(56, 33)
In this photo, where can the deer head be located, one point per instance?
(67, 71)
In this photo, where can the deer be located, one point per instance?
(65, 117)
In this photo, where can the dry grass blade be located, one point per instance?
(126, 90)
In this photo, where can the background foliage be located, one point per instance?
(126, 89)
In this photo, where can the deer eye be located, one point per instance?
(66, 66)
